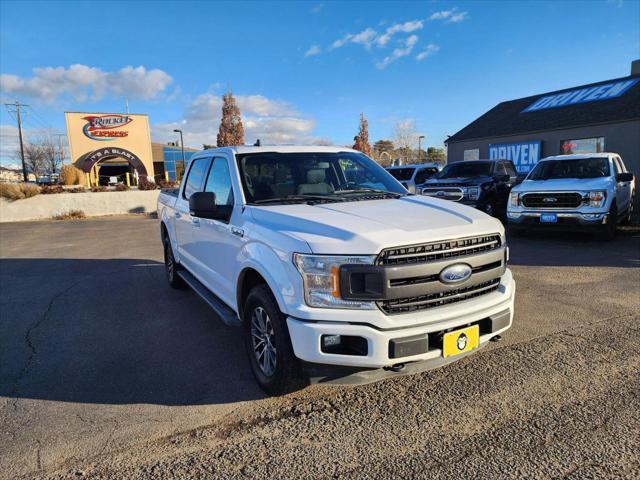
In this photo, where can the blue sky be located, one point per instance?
(302, 71)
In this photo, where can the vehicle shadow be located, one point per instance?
(113, 332)
(574, 249)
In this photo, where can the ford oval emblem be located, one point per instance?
(457, 273)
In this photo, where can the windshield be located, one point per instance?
(466, 169)
(270, 177)
(577, 168)
(402, 174)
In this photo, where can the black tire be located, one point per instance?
(277, 370)
(171, 266)
(629, 215)
(610, 229)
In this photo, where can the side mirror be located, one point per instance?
(520, 178)
(624, 177)
(203, 205)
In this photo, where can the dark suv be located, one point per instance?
(483, 184)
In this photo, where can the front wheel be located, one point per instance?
(610, 229)
(171, 267)
(274, 366)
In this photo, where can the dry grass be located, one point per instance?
(18, 191)
(70, 175)
(70, 215)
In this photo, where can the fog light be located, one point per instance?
(331, 340)
(513, 214)
(591, 216)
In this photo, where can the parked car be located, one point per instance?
(482, 184)
(411, 175)
(592, 191)
(333, 280)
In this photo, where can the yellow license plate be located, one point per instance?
(460, 341)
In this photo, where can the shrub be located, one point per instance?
(99, 188)
(70, 215)
(49, 189)
(11, 191)
(75, 190)
(122, 187)
(169, 184)
(144, 184)
(70, 175)
(18, 191)
(29, 190)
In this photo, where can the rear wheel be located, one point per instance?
(627, 218)
(171, 267)
(274, 366)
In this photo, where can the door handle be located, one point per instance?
(195, 221)
(177, 214)
(237, 231)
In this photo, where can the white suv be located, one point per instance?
(572, 192)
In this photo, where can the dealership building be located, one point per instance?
(599, 117)
(116, 148)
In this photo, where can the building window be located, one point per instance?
(582, 145)
(472, 154)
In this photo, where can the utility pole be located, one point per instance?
(419, 149)
(60, 147)
(17, 106)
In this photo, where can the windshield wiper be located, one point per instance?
(311, 199)
(372, 190)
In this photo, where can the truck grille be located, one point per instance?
(446, 193)
(552, 200)
(422, 302)
(430, 252)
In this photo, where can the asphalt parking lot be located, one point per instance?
(106, 372)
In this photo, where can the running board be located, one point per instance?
(226, 314)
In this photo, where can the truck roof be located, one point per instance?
(412, 165)
(240, 149)
(578, 156)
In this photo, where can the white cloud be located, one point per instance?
(399, 52)
(427, 51)
(9, 141)
(82, 82)
(365, 37)
(312, 51)
(450, 16)
(272, 121)
(406, 27)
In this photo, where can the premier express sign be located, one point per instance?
(583, 95)
(524, 155)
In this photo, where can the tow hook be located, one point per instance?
(497, 338)
(398, 367)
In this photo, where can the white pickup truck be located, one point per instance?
(592, 191)
(334, 271)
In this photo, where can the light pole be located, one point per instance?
(419, 149)
(182, 147)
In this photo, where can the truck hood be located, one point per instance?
(435, 182)
(366, 227)
(563, 184)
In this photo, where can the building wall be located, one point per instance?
(622, 138)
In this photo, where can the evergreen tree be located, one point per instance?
(231, 131)
(361, 141)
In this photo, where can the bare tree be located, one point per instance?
(405, 137)
(34, 158)
(53, 155)
(231, 131)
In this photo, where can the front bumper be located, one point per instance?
(494, 313)
(566, 220)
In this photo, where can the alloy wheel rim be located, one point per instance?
(263, 341)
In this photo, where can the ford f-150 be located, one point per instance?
(331, 278)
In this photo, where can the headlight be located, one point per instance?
(514, 199)
(596, 199)
(321, 279)
(471, 192)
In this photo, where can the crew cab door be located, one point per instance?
(217, 243)
(623, 189)
(193, 182)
